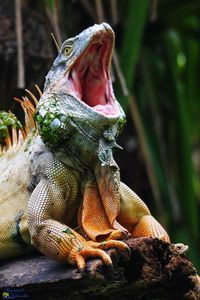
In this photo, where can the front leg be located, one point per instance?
(53, 238)
(136, 217)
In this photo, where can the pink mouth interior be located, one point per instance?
(89, 78)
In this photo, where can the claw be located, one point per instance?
(127, 251)
(181, 247)
(81, 263)
(111, 269)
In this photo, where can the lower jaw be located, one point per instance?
(107, 109)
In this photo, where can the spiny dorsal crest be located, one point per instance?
(12, 133)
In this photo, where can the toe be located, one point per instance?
(97, 253)
(81, 264)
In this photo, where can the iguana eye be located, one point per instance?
(67, 50)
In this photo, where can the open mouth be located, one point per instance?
(89, 77)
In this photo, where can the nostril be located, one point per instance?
(107, 26)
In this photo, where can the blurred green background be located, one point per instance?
(156, 71)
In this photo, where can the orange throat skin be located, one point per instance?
(101, 205)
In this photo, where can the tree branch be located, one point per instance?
(156, 270)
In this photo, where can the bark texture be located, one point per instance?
(155, 270)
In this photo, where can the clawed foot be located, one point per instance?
(149, 227)
(181, 248)
(94, 249)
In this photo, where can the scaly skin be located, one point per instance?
(66, 176)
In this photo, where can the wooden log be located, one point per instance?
(155, 270)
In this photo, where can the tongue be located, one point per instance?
(107, 109)
(93, 93)
(93, 87)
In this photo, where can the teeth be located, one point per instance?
(77, 84)
(74, 75)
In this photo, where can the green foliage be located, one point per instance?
(168, 108)
(136, 19)
(7, 119)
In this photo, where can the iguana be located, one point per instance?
(60, 187)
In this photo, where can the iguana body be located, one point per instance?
(65, 176)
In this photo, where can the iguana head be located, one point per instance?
(82, 69)
(78, 90)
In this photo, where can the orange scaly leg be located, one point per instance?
(148, 226)
(136, 217)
